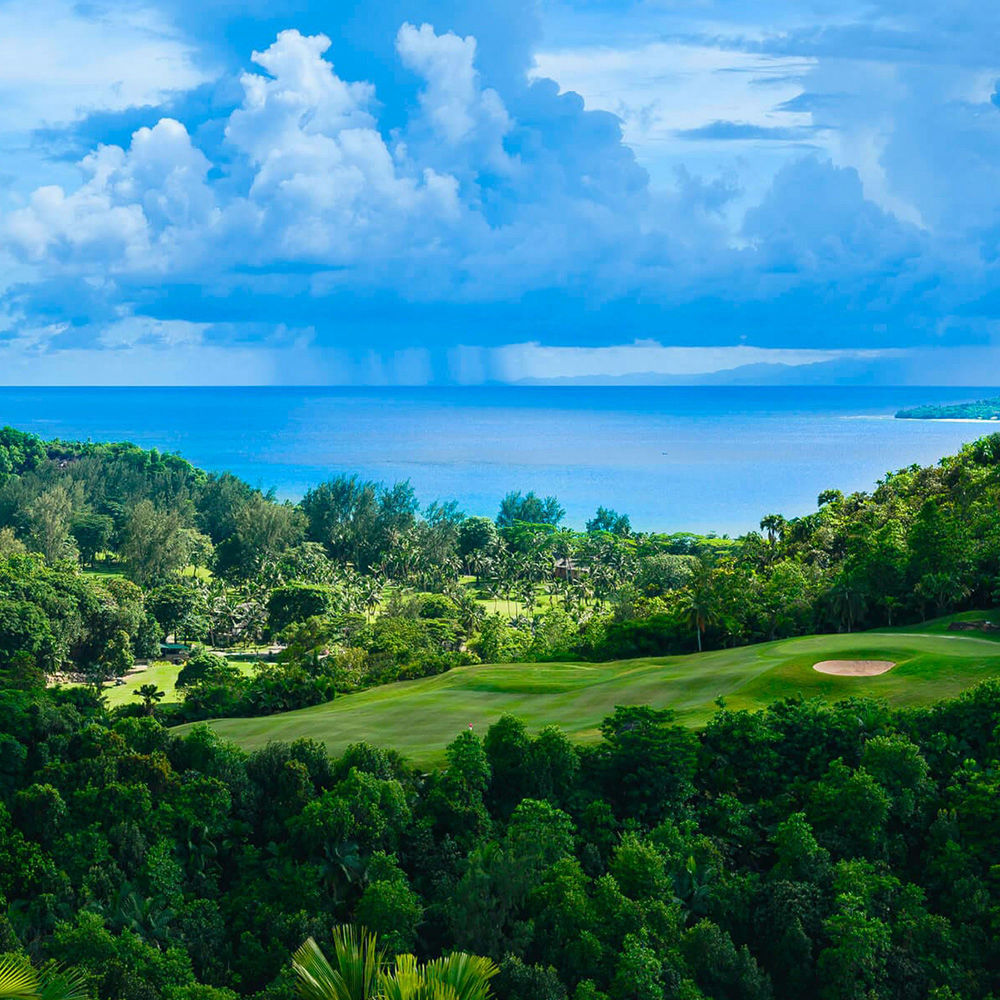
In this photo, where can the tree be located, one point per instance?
(202, 665)
(19, 452)
(775, 526)
(298, 602)
(785, 599)
(25, 628)
(360, 522)
(639, 974)
(853, 966)
(263, 530)
(150, 695)
(611, 521)
(942, 590)
(935, 542)
(171, 603)
(698, 600)
(529, 508)
(476, 534)
(50, 515)
(388, 905)
(154, 546)
(115, 660)
(220, 498)
(200, 550)
(663, 572)
(10, 544)
(647, 762)
(93, 534)
(847, 599)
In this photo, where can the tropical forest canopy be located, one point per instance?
(106, 550)
(807, 850)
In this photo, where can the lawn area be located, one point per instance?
(106, 568)
(419, 718)
(511, 608)
(939, 626)
(163, 675)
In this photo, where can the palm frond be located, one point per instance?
(317, 978)
(468, 975)
(18, 980)
(63, 984)
(353, 975)
(404, 982)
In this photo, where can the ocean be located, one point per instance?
(673, 458)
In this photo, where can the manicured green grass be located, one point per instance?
(106, 568)
(163, 675)
(103, 570)
(419, 718)
(939, 626)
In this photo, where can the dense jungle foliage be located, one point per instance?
(108, 549)
(805, 851)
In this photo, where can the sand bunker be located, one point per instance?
(854, 668)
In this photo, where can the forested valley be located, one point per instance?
(842, 850)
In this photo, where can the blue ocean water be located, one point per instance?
(673, 458)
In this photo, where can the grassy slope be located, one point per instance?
(940, 625)
(419, 718)
(163, 675)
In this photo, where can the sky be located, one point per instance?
(451, 192)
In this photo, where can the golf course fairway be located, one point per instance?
(419, 718)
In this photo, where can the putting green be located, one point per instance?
(419, 718)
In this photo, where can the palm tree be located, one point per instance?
(370, 590)
(847, 598)
(19, 981)
(150, 695)
(774, 525)
(359, 971)
(480, 562)
(698, 601)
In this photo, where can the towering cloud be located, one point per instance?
(765, 197)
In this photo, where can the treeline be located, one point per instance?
(359, 586)
(806, 851)
(981, 409)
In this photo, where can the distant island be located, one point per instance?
(981, 409)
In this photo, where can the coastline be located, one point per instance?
(952, 420)
(731, 452)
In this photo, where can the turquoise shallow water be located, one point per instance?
(673, 458)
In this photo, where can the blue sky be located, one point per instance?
(436, 191)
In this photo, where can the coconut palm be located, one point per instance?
(697, 601)
(774, 525)
(359, 971)
(150, 695)
(19, 981)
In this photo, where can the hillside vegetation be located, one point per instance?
(108, 549)
(836, 842)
